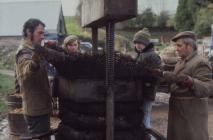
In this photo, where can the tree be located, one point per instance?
(162, 19)
(192, 9)
(203, 3)
(186, 15)
(147, 18)
(204, 21)
(171, 21)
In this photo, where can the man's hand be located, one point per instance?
(50, 43)
(38, 49)
(184, 81)
(36, 58)
(36, 62)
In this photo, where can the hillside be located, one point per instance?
(7, 53)
(72, 25)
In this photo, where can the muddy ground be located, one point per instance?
(160, 115)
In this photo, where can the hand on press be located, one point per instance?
(184, 81)
(36, 58)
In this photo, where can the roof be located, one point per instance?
(13, 14)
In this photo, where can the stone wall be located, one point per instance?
(10, 41)
(8, 47)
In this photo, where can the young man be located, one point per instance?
(33, 80)
(148, 59)
(190, 86)
(71, 44)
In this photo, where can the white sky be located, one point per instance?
(69, 6)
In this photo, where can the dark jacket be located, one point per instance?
(149, 59)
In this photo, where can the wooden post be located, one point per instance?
(95, 39)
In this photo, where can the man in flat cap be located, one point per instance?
(190, 85)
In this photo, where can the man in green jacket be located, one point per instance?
(190, 86)
(33, 79)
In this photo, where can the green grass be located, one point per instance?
(72, 25)
(6, 86)
(3, 107)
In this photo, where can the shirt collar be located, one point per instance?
(26, 44)
(191, 56)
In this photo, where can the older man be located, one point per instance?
(190, 86)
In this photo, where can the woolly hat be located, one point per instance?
(143, 36)
(189, 34)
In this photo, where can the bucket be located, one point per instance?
(17, 125)
(14, 101)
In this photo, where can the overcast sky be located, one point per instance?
(69, 6)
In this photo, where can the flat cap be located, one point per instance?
(189, 34)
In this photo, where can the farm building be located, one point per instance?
(13, 14)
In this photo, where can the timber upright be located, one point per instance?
(108, 12)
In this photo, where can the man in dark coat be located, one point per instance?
(148, 59)
(190, 86)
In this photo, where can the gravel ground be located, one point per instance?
(160, 114)
(4, 135)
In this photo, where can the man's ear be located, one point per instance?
(189, 46)
(29, 34)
